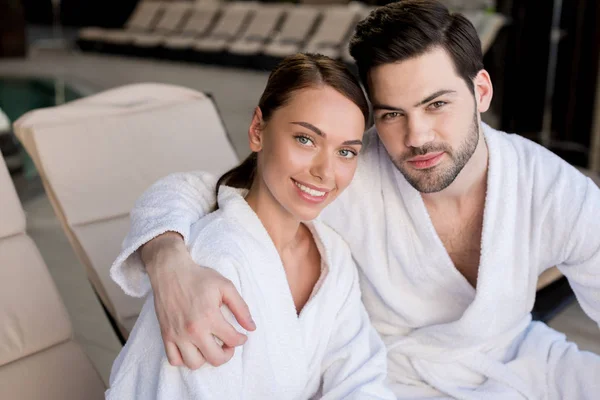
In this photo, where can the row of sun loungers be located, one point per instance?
(245, 34)
(237, 33)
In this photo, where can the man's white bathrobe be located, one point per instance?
(444, 338)
(329, 351)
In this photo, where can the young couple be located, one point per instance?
(449, 222)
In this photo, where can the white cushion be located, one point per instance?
(12, 220)
(200, 19)
(179, 42)
(172, 17)
(232, 18)
(334, 28)
(97, 155)
(144, 15)
(91, 33)
(246, 48)
(32, 313)
(210, 45)
(297, 25)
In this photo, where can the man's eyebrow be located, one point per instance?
(311, 127)
(433, 96)
(381, 106)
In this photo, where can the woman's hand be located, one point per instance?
(188, 300)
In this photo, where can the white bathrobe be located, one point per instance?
(444, 338)
(329, 351)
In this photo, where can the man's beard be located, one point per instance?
(438, 178)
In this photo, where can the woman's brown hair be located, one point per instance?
(297, 72)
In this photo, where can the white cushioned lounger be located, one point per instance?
(143, 19)
(335, 27)
(233, 21)
(294, 32)
(261, 28)
(170, 23)
(196, 26)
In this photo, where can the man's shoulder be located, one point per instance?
(538, 167)
(525, 152)
(520, 144)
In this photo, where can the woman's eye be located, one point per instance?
(304, 140)
(347, 153)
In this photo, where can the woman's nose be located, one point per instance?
(323, 167)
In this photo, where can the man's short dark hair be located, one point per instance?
(410, 28)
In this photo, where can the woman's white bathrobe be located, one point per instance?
(329, 351)
(444, 338)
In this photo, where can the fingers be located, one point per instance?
(228, 334)
(228, 351)
(192, 357)
(214, 354)
(239, 308)
(173, 354)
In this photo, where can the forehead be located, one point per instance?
(415, 78)
(325, 108)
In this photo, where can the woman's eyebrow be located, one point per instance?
(311, 127)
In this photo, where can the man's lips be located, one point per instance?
(426, 160)
(426, 157)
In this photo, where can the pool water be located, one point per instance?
(19, 96)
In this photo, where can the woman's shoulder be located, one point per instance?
(217, 236)
(224, 233)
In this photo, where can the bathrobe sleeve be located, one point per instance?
(355, 363)
(581, 252)
(142, 370)
(172, 204)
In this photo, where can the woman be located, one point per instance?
(313, 336)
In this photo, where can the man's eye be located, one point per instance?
(391, 115)
(438, 104)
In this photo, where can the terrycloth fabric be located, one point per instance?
(444, 337)
(329, 351)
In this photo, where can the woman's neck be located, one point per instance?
(282, 227)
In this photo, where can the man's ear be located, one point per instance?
(255, 131)
(484, 90)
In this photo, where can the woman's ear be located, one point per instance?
(255, 131)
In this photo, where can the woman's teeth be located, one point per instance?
(312, 192)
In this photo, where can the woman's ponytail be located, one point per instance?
(240, 177)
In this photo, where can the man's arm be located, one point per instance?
(172, 204)
(187, 297)
(581, 251)
(140, 370)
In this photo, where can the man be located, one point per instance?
(449, 221)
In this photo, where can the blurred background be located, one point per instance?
(543, 58)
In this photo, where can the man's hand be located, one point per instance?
(188, 300)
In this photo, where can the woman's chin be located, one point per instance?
(306, 214)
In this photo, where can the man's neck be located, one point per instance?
(470, 183)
